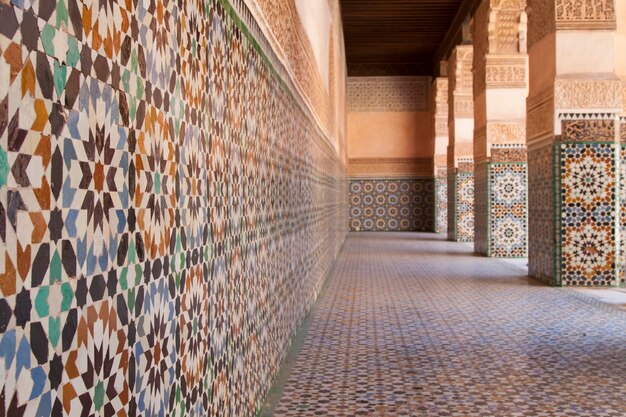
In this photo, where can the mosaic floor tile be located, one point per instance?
(412, 325)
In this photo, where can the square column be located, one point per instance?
(574, 151)
(500, 90)
(460, 147)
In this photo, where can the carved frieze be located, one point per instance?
(509, 154)
(588, 94)
(585, 14)
(588, 130)
(506, 75)
(389, 167)
(500, 133)
(463, 107)
(370, 94)
(466, 164)
(540, 117)
(441, 127)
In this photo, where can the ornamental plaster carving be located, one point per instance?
(588, 130)
(389, 167)
(370, 94)
(540, 118)
(585, 14)
(509, 153)
(588, 94)
(441, 97)
(441, 127)
(463, 107)
(480, 144)
(506, 75)
(506, 133)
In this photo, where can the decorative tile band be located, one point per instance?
(168, 211)
(400, 204)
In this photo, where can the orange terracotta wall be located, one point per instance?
(389, 135)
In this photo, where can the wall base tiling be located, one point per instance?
(461, 206)
(482, 208)
(503, 222)
(441, 205)
(588, 190)
(392, 204)
(168, 211)
(583, 197)
(622, 212)
(541, 213)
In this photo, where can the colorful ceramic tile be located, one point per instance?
(392, 204)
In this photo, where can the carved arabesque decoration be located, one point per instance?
(501, 133)
(585, 14)
(588, 130)
(588, 94)
(387, 94)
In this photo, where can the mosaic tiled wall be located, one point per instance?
(541, 211)
(392, 204)
(441, 204)
(481, 212)
(168, 210)
(586, 184)
(588, 190)
(508, 234)
(500, 215)
(461, 207)
(622, 213)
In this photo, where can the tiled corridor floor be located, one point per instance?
(412, 325)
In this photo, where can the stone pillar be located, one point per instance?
(460, 148)
(573, 109)
(500, 89)
(439, 106)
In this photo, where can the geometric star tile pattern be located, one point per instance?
(156, 255)
(441, 204)
(392, 204)
(507, 199)
(588, 190)
(461, 206)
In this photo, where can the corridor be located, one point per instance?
(413, 325)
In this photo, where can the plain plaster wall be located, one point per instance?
(390, 135)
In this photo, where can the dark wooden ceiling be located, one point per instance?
(395, 37)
